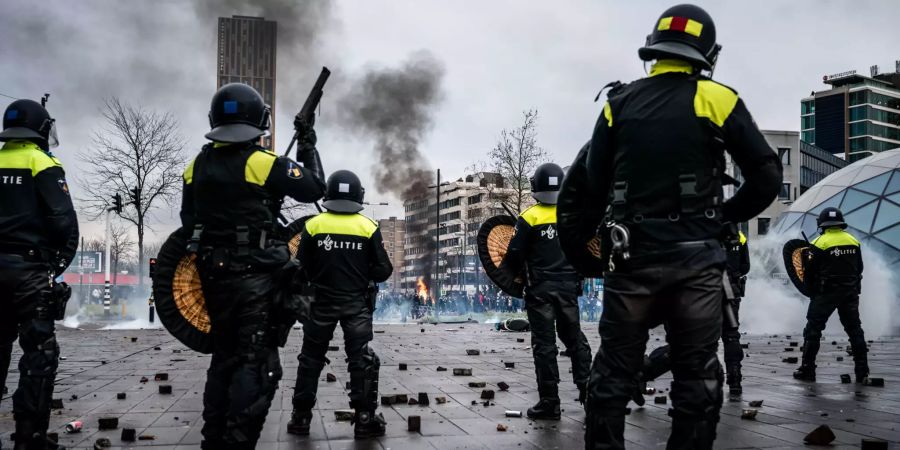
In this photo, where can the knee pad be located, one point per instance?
(41, 360)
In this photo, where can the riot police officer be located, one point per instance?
(833, 276)
(232, 195)
(551, 294)
(654, 167)
(343, 256)
(38, 241)
(737, 266)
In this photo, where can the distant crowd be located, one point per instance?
(402, 307)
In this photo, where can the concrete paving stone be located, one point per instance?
(790, 409)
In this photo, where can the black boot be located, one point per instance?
(734, 381)
(638, 395)
(28, 438)
(299, 424)
(806, 372)
(367, 424)
(862, 369)
(582, 393)
(545, 409)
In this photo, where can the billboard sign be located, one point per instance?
(87, 262)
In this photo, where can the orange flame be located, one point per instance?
(422, 290)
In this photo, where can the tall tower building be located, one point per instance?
(246, 54)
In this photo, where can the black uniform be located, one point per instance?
(234, 193)
(834, 280)
(656, 159)
(551, 298)
(38, 236)
(737, 266)
(343, 255)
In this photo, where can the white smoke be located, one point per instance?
(772, 305)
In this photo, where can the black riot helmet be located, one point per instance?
(28, 120)
(237, 114)
(344, 193)
(831, 217)
(545, 183)
(683, 32)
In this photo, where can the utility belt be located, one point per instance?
(621, 244)
(242, 239)
(539, 276)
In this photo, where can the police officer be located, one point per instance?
(37, 242)
(551, 295)
(737, 266)
(834, 281)
(343, 256)
(232, 195)
(655, 166)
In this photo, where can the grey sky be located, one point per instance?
(499, 58)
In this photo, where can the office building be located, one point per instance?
(465, 204)
(857, 117)
(804, 166)
(393, 232)
(246, 54)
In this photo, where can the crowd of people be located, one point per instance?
(398, 307)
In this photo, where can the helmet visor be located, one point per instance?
(52, 137)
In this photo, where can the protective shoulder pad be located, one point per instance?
(714, 101)
(345, 224)
(259, 164)
(540, 215)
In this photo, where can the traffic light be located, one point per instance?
(136, 197)
(152, 270)
(117, 203)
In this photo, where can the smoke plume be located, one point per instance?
(395, 107)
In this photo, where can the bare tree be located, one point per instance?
(515, 157)
(121, 248)
(138, 152)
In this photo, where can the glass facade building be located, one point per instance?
(867, 192)
(857, 117)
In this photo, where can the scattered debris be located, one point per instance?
(412, 402)
(73, 397)
(510, 413)
(165, 389)
(133, 339)
(462, 372)
(108, 423)
(161, 377)
(74, 426)
(839, 358)
(874, 382)
(388, 400)
(477, 384)
(146, 437)
(845, 378)
(102, 443)
(441, 369)
(873, 444)
(56, 403)
(794, 344)
(649, 391)
(503, 386)
(157, 348)
(474, 402)
(510, 365)
(330, 378)
(756, 403)
(486, 403)
(421, 330)
(440, 400)
(749, 414)
(487, 394)
(820, 436)
(790, 360)
(501, 427)
(400, 398)
(121, 396)
(745, 345)
(660, 399)
(789, 349)
(520, 339)
(423, 399)
(343, 415)
(129, 434)
(144, 379)
(414, 423)
(473, 352)
(402, 366)
(379, 331)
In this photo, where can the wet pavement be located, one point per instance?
(99, 365)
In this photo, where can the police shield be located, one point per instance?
(579, 221)
(796, 254)
(493, 240)
(179, 296)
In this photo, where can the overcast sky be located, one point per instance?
(499, 58)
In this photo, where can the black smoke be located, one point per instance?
(395, 108)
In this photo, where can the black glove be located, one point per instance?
(730, 234)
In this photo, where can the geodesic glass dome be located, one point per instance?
(867, 192)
